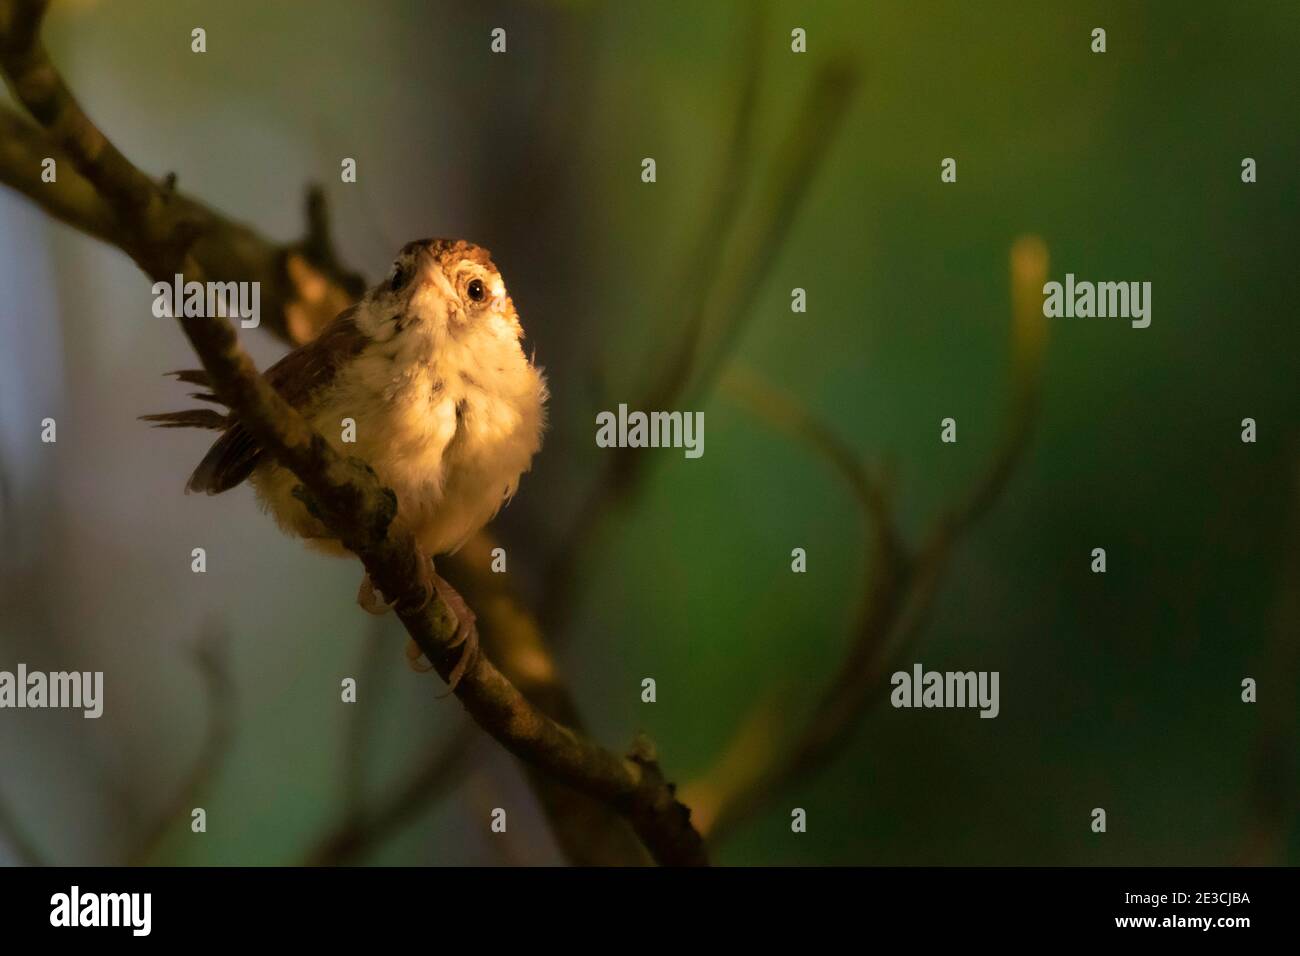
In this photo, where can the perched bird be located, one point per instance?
(425, 379)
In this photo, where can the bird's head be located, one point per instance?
(439, 289)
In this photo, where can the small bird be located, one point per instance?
(426, 380)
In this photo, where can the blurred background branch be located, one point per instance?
(757, 765)
(366, 825)
(376, 648)
(211, 659)
(16, 837)
(725, 269)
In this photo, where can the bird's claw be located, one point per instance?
(428, 587)
(466, 636)
(467, 630)
(370, 598)
(415, 658)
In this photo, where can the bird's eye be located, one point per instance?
(477, 290)
(400, 274)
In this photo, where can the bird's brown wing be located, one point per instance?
(300, 376)
(311, 368)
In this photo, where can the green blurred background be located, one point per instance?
(1118, 691)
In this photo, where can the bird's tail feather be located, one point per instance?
(190, 418)
(192, 376)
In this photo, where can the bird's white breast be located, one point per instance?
(450, 434)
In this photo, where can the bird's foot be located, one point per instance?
(415, 658)
(370, 598)
(466, 637)
(428, 587)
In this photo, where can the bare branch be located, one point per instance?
(70, 198)
(360, 832)
(722, 303)
(210, 657)
(734, 170)
(376, 648)
(747, 261)
(345, 493)
(782, 413)
(900, 590)
(587, 831)
(39, 87)
(361, 513)
(99, 191)
(1028, 341)
(757, 763)
(508, 638)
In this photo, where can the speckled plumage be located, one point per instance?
(448, 409)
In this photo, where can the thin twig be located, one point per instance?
(210, 657)
(361, 832)
(374, 651)
(732, 273)
(748, 261)
(901, 584)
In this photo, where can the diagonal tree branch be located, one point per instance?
(163, 241)
(588, 832)
(98, 190)
(303, 284)
(69, 198)
(805, 147)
